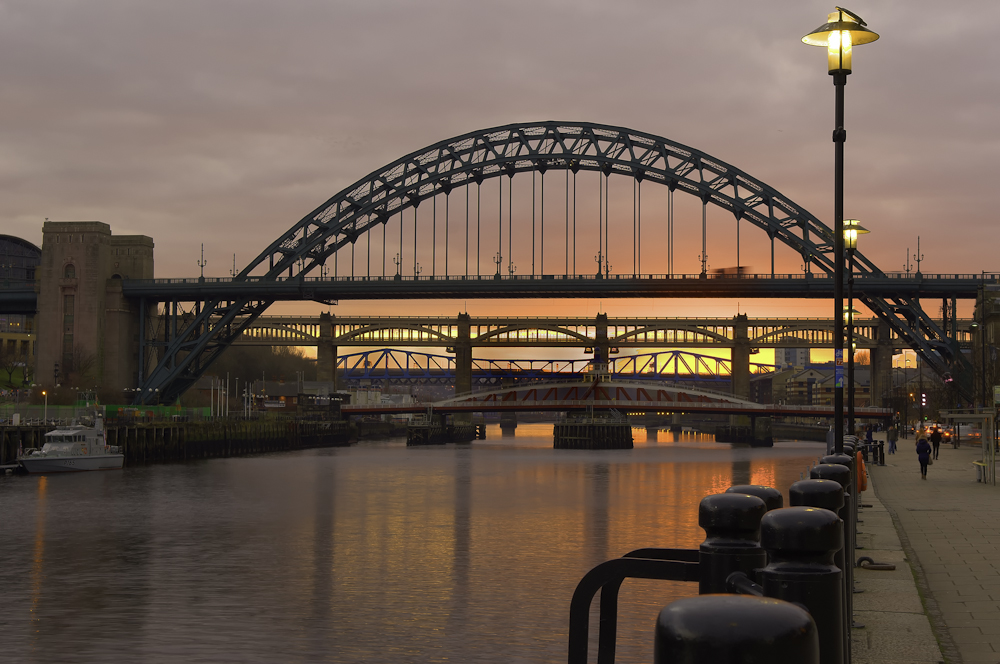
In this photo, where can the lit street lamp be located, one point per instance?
(842, 31)
(852, 229)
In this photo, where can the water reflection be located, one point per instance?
(37, 562)
(372, 553)
(462, 544)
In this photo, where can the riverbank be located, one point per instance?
(182, 441)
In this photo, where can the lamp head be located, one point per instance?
(840, 34)
(852, 229)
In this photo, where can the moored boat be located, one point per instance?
(74, 448)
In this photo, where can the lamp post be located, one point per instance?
(852, 229)
(980, 327)
(849, 313)
(45, 411)
(906, 391)
(842, 31)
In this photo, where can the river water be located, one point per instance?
(373, 553)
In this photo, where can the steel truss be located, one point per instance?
(674, 365)
(520, 148)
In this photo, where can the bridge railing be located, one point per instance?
(992, 277)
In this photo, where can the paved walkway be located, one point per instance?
(949, 530)
(897, 631)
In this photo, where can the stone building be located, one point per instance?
(87, 331)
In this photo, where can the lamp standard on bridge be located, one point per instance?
(202, 262)
(852, 229)
(842, 31)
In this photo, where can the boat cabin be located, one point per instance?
(74, 440)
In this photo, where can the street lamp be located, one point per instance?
(45, 411)
(842, 31)
(849, 313)
(906, 391)
(981, 329)
(852, 229)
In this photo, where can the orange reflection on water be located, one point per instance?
(37, 558)
(764, 472)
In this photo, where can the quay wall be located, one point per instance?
(179, 441)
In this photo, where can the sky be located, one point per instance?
(224, 122)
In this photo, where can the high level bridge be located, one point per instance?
(601, 336)
(441, 222)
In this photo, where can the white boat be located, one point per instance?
(74, 448)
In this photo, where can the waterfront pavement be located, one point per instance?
(946, 533)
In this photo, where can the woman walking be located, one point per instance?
(924, 455)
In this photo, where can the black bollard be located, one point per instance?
(771, 497)
(732, 530)
(825, 493)
(844, 460)
(800, 544)
(828, 495)
(734, 629)
(841, 474)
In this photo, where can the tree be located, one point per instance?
(14, 365)
(250, 363)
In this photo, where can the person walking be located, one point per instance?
(893, 435)
(936, 441)
(923, 455)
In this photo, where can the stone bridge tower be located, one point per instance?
(88, 333)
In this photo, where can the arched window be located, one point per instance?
(69, 272)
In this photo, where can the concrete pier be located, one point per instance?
(592, 434)
(438, 433)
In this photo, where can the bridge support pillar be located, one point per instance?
(675, 423)
(326, 351)
(983, 344)
(463, 355)
(602, 348)
(740, 374)
(881, 366)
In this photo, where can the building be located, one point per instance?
(19, 260)
(815, 386)
(791, 358)
(771, 387)
(87, 331)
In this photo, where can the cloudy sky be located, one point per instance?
(225, 121)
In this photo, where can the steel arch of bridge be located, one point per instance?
(551, 332)
(508, 150)
(672, 365)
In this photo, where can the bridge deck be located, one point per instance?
(556, 286)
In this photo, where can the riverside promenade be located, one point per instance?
(949, 533)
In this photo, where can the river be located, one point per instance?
(372, 553)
